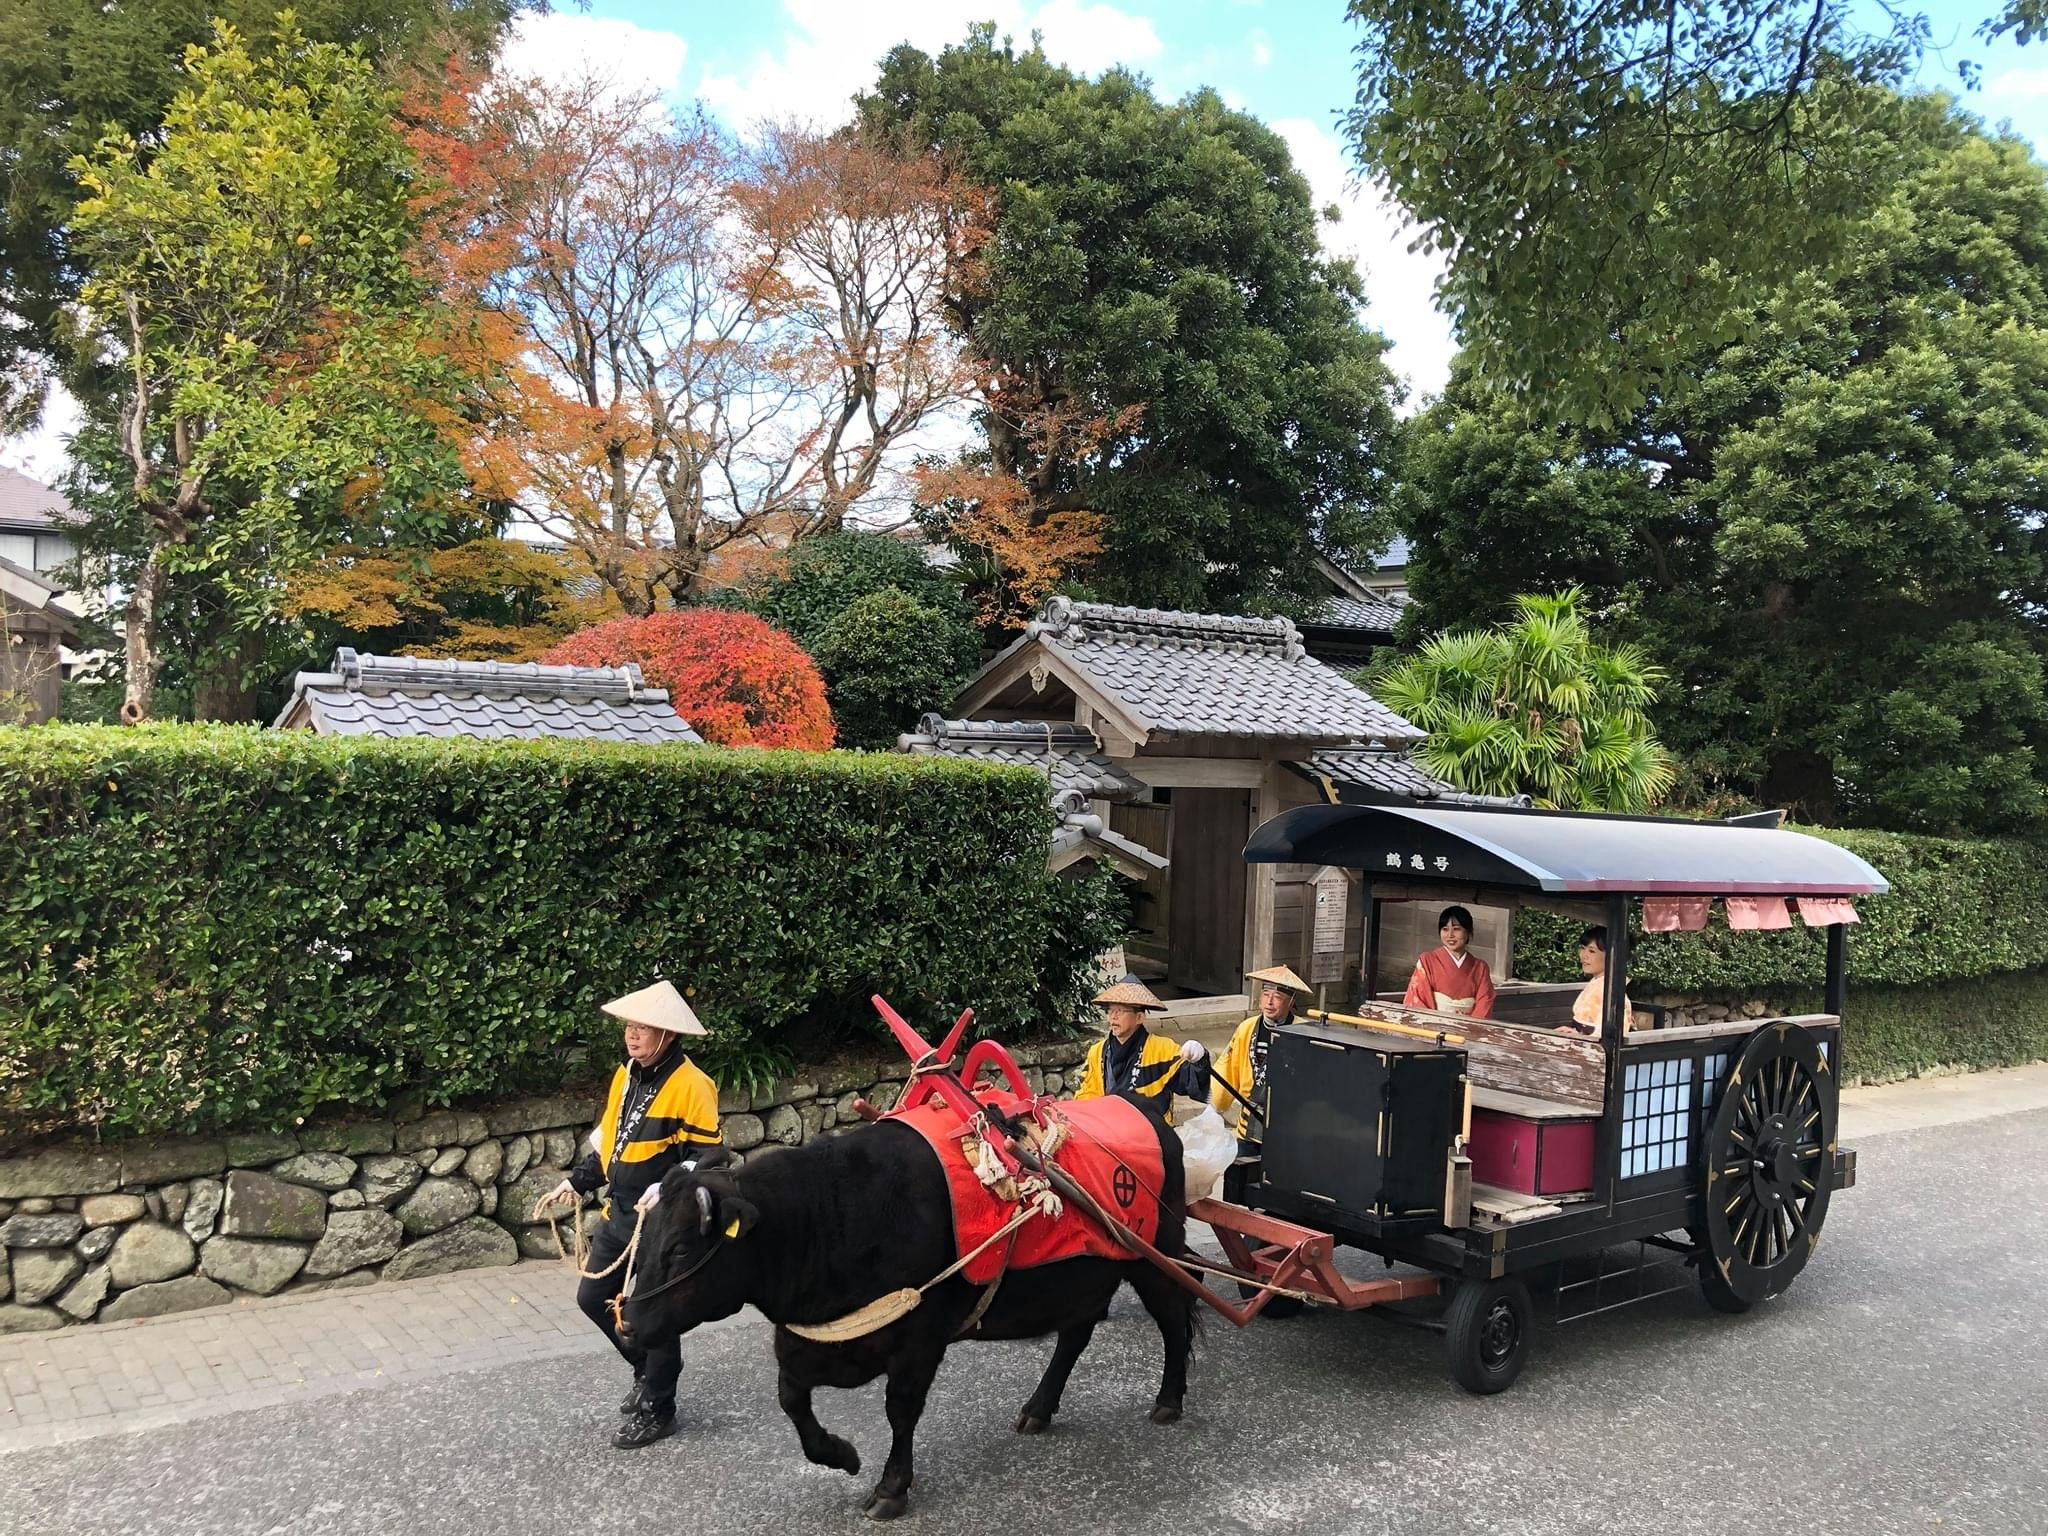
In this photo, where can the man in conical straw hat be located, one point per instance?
(660, 1112)
(1279, 992)
(1131, 1059)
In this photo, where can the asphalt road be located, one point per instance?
(1900, 1386)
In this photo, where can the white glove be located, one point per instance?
(1194, 1050)
(649, 1199)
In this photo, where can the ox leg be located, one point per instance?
(1038, 1412)
(820, 1444)
(1173, 1309)
(910, 1381)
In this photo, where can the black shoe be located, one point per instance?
(636, 1399)
(644, 1428)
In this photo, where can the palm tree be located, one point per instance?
(1538, 707)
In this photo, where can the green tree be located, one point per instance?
(72, 70)
(1833, 537)
(811, 584)
(1608, 181)
(1535, 707)
(1166, 344)
(887, 659)
(281, 375)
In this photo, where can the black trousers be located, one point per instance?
(657, 1367)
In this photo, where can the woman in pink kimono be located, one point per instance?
(1452, 979)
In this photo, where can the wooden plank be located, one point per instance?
(1508, 1207)
(1538, 1063)
(1731, 1027)
(1207, 910)
(1262, 895)
(1167, 772)
(1522, 1106)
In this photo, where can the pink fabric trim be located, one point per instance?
(1757, 913)
(1819, 911)
(1675, 914)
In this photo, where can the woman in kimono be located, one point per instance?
(1452, 979)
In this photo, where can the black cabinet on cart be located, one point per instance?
(1361, 1126)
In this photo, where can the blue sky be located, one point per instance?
(1287, 61)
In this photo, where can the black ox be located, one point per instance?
(809, 1234)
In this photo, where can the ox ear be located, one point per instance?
(737, 1217)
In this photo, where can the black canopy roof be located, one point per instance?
(1562, 851)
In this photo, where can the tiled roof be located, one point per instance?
(414, 696)
(1375, 615)
(1079, 833)
(26, 503)
(1396, 775)
(1199, 674)
(1066, 753)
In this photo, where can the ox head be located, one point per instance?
(694, 1265)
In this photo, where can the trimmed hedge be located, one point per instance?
(211, 927)
(1957, 908)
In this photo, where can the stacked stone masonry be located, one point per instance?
(148, 1228)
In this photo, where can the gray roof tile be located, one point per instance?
(1196, 674)
(1067, 754)
(1396, 775)
(411, 696)
(1374, 615)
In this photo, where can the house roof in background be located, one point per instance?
(1367, 775)
(1067, 754)
(395, 696)
(1195, 674)
(28, 503)
(1369, 615)
(27, 593)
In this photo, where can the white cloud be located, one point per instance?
(831, 48)
(1261, 47)
(564, 46)
(2026, 85)
(1374, 233)
(42, 454)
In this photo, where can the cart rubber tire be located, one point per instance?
(1486, 1333)
(1276, 1306)
(1719, 1294)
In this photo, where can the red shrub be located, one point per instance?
(739, 680)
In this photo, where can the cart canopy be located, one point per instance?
(1562, 851)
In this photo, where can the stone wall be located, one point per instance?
(145, 1228)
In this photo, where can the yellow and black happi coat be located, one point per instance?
(1147, 1064)
(653, 1119)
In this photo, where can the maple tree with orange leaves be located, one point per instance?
(738, 680)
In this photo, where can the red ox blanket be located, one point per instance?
(1111, 1150)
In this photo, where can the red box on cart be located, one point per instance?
(1531, 1156)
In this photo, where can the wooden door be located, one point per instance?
(1206, 910)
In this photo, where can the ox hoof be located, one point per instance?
(839, 1455)
(1166, 1413)
(885, 1506)
(1031, 1424)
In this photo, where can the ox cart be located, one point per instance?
(1486, 1153)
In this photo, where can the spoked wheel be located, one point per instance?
(1769, 1156)
(1486, 1333)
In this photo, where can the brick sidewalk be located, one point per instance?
(75, 1383)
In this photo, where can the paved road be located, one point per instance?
(1900, 1386)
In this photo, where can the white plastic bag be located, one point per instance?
(1207, 1147)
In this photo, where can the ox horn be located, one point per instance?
(703, 1209)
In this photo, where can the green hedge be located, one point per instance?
(1987, 1021)
(1957, 908)
(209, 927)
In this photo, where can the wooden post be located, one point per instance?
(1838, 973)
(1263, 887)
(1369, 959)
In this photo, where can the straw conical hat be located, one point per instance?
(660, 1006)
(1280, 976)
(1132, 993)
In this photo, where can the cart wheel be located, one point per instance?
(1768, 1174)
(1486, 1333)
(1276, 1306)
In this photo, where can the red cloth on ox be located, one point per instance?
(1111, 1150)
